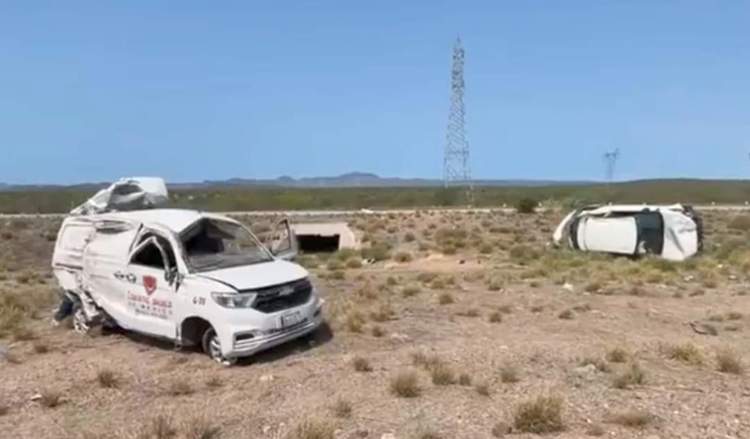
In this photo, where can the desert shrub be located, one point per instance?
(464, 379)
(526, 205)
(410, 291)
(50, 398)
(108, 379)
(313, 428)
(509, 374)
(523, 253)
(482, 388)
(631, 376)
(377, 252)
(740, 222)
(632, 418)
(179, 388)
(617, 355)
(540, 415)
(442, 374)
(342, 408)
(201, 428)
(728, 361)
(159, 427)
(361, 364)
(687, 353)
(445, 299)
(405, 385)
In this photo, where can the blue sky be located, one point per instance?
(92, 91)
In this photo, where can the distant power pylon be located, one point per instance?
(456, 167)
(610, 162)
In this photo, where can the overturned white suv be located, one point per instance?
(672, 232)
(191, 277)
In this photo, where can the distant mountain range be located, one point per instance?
(352, 179)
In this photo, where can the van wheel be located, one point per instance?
(212, 347)
(80, 322)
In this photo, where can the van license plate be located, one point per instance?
(292, 319)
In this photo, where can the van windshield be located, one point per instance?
(212, 244)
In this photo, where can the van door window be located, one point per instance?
(152, 254)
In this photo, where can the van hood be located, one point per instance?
(255, 276)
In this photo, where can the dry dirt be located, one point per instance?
(482, 292)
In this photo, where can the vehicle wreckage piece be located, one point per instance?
(672, 232)
(126, 194)
(191, 277)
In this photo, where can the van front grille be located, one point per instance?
(284, 296)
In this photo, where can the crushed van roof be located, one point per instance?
(176, 220)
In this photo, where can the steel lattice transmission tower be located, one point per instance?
(456, 167)
(610, 162)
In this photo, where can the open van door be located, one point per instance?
(282, 242)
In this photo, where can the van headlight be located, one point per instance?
(234, 300)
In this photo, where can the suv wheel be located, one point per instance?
(212, 347)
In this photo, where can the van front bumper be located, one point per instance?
(249, 341)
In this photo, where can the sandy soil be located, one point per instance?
(557, 309)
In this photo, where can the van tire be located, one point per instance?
(212, 347)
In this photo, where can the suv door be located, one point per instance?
(152, 294)
(282, 242)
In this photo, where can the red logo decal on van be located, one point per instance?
(149, 283)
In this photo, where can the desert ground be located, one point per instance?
(466, 325)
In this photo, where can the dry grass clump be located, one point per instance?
(361, 364)
(342, 408)
(632, 418)
(617, 355)
(728, 361)
(442, 374)
(500, 429)
(214, 382)
(482, 388)
(201, 428)
(159, 427)
(631, 376)
(405, 384)
(313, 428)
(740, 222)
(108, 379)
(402, 257)
(410, 291)
(509, 374)
(600, 364)
(687, 353)
(523, 254)
(445, 299)
(50, 398)
(179, 387)
(41, 348)
(383, 313)
(464, 379)
(377, 331)
(355, 322)
(540, 415)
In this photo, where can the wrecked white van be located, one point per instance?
(191, 277)
(672, 232)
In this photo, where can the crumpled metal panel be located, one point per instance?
(131, 193)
